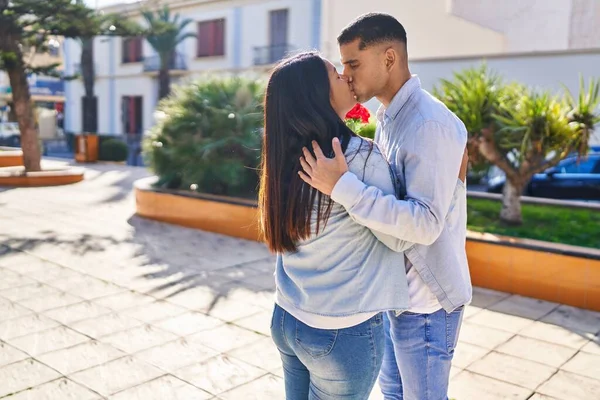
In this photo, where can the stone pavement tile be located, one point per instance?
(482, 336)
(54, 273)
(86, 286)
(15, 258)
(265, 265)
(139, 338)
(539, 351)
(177, 354)
(60, 389)
(24, 374)
(219, 374)
(25, 292)
(124, 300)
(469, 386)
(265, 299)
(484, 298)
(49, 340)
(513, 370)
(30, 268)
(262, 281)
(231, 310)
(25, 325)
(524, 307)
(265, 387)
(237, 272)
(226, 337)
(76, 312)
(566, 385)
(105, 325)
(454, 371)
(166, 387)
(51, 301)
(260, 322)
(593, 346)
(188, 323)
(556, 334)
(117, 375)
(80, 357)
(471, 310)
(154, 311)
(575, 318)
(584, 364)
(9, 354)
(537, 396)
(94, 289)
(198, 299)
(9, 280)
(262, 354)
(500, 321)
(465, 354)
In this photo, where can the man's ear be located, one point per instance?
(391, 58)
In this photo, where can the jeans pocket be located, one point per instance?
(315, 342)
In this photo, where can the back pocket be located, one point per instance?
(315, 342)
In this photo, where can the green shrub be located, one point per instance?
(112, 150)
(208, 137)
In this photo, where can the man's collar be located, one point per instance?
(399, 99)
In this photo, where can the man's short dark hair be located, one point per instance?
(373, 28)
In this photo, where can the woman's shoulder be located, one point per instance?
(361, 150)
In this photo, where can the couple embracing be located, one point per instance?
(371, 274)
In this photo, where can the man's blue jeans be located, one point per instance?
(418, 354)
(328, 364)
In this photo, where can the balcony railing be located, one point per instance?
(270, 54)
(177, 63)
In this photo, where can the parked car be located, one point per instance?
(10, 134)
(570, 179)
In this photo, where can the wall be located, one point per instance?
(431, 30)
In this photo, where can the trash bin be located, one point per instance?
(86, 148)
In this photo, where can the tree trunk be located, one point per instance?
(89, 102)
(87, 65)
(164, 80)
(23, 106)
(511, 203)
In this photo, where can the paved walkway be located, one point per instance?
(97, 303)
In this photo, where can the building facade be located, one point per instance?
(233, 37)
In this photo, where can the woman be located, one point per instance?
(334, 277)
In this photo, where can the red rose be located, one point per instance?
(359, 112)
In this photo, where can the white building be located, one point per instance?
(233, 36)
(542, 43)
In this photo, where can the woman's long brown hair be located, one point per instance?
(297, 111)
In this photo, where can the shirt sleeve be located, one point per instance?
(431, 162)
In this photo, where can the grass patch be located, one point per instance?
(572, 226)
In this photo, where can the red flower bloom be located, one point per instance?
(359, 112)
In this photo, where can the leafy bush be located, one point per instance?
(208, 137)
(112, 150)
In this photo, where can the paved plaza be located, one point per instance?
(96, 303)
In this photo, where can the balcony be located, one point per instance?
(270, 54)
(176, 65)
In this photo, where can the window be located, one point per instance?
(211, 38)
(131, 50)
(584, 166)
(131, 108)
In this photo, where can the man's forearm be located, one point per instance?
(408, 220)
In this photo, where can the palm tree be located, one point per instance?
(164, 36)
(520, 130)
(104, 25)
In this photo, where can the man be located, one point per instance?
(425, 143)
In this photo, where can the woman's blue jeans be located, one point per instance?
(328, 364)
